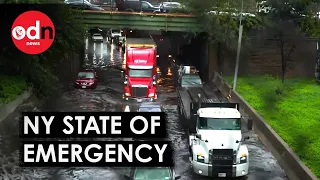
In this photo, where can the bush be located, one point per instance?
(292, 109)
(11, 87)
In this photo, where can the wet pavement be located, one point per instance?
(108, 97)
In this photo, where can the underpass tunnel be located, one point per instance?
(195, 54)
(164, 52)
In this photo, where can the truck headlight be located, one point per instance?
(127, 94)
(243, 159)
(200, 158)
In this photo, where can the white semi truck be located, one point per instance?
(214, 126)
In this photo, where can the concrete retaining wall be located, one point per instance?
(288, 160)
(6, 109)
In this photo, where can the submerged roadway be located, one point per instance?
(108, 97)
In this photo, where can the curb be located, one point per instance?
(288, 160)
(6, 109)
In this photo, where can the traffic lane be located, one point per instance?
(262, 164)
(10, 142)
(101, 54)
(106, 97)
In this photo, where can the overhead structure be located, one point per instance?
(141, 21)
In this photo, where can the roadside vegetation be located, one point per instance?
(291, 106)
(294, 114)
(38, 71)
(11, 87)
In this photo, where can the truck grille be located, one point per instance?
(139, 91)
(222, 161)
(221, 156)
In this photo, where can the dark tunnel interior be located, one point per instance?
(184, 48)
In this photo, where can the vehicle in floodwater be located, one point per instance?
(143, 107)
(152, 173)
(140, 70)
(87, 79)
(214, 128)
(147, 107)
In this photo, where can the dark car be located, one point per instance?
(152, 173)
(84, 5)
(136, 6)
(87, 79)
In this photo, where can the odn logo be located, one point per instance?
(33, 32)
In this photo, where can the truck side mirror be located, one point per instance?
(122, 74)
(177, 177)
(198, 136)
(249, 124)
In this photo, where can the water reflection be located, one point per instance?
(169, 72)
(86, 44)
(112, 49)
(102, 54)
(124, 61)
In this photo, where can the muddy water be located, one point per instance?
(107, 97)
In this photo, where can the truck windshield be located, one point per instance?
(190, 80)
(219, 123)
(143, 73)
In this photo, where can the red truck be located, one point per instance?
(141, 69)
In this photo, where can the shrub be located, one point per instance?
(11, 87)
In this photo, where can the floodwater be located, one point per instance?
(108, 97)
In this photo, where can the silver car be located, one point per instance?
(150, 108)
(152, 173)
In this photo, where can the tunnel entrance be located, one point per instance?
(195, 53)
(181, 47)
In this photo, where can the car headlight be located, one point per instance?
(200, 158)
(243, 158)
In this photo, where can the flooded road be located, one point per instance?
(108, 97)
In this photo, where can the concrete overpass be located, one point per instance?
(141, 21)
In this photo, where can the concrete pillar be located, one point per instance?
(204, 61)
(212, 60)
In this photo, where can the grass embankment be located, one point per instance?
(11, 87)
(294, 114)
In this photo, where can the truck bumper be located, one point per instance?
(207, 170)
(139, 99)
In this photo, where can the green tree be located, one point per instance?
(220, 19)
(300, 15)
(41, 70)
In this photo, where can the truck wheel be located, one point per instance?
(190, 152)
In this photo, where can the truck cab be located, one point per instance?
(216, 148)
(141, 71)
